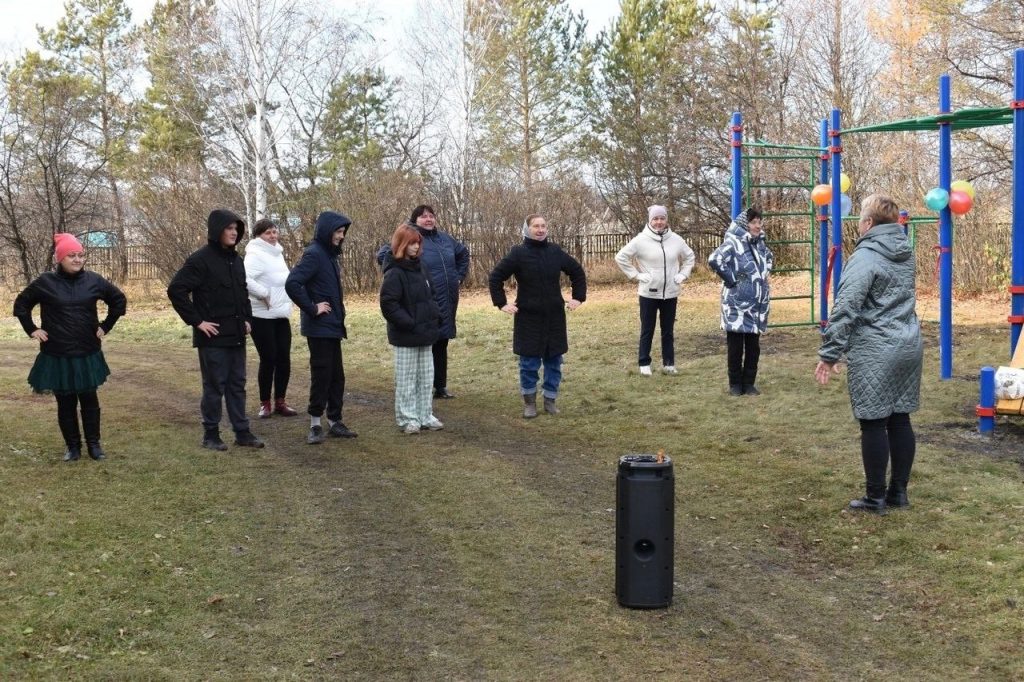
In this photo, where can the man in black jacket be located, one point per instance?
(314, 285)
(209, 294)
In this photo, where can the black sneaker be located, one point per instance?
(443, 394)
(751, 389)
(212, 441)
(735, 389)
(339, 430)
(73, 453)
(246, 439)
(316, 435)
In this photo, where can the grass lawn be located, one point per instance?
(486, 550)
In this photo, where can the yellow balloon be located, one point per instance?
(844, 183)
(963, 186)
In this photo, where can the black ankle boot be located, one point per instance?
(896, 496)
(735, 389)
(91, 426)
(872, 505)
(73, 453)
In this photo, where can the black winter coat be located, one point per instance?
(539, 328)
(446, 261)
(316, 278)
(408, 304)
(67, 308)
(210, 287)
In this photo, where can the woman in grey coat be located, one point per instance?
(874, 323)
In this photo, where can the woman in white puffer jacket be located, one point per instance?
(660, 260)
(265, 275)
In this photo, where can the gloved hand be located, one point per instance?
(644, 278)
(679, 278)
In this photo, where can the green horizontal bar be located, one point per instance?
(782, 270)
(788, 214)
(795, 324)
(781, 157)
(781, 185)
(770, 145)
(790, 298)
(791, 241)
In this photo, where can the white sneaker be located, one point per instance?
(411, 429)
(645, 371)
(669, 369)
(434, 424)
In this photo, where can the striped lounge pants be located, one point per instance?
(414, 384)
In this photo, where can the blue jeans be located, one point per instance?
(529, 374)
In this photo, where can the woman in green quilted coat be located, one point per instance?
(874, 324)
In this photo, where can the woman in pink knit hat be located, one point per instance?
(70, 363)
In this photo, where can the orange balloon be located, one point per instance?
(960, 202)
(821, 195)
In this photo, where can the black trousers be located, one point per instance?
(223, 372)
(882, 441)
(440, 353)
(326, 378)
(650, 309)
(67, 416)
(273, 341)
(744, 352)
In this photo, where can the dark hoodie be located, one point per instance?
(316, 278)
(210, 287)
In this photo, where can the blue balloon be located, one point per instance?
(936, 199)
(845, 205)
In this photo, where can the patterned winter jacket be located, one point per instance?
(744, 263)
(873, 322)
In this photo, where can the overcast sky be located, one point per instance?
(18, 18)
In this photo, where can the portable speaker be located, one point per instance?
(644, 532)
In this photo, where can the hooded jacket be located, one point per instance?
(662, 256)
(744, 263)
(407, 303)
(874, 323)
(265, 275)
(316, 278)
(210, 287)
(67, 310)
(445, 260)
(539, 326)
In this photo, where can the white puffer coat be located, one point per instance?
(666, 257)
(265, 275)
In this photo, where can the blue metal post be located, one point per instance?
(836, 149)
(945, 235)
(987, 400)
(823, 230)
(1017, 251)
(737, 163)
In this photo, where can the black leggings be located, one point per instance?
(744, 353)
(882, 440)
(273, 341)
(440, 352)
(67, 403)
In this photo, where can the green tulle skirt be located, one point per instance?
(53, 374)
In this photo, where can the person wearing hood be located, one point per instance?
(413, 318)
(660, 260)
(209, 295)
(70, 363)
(445, 260)
(265, 275)
(744, 262)
(314, 285)
(539, 333)
(874, 324)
